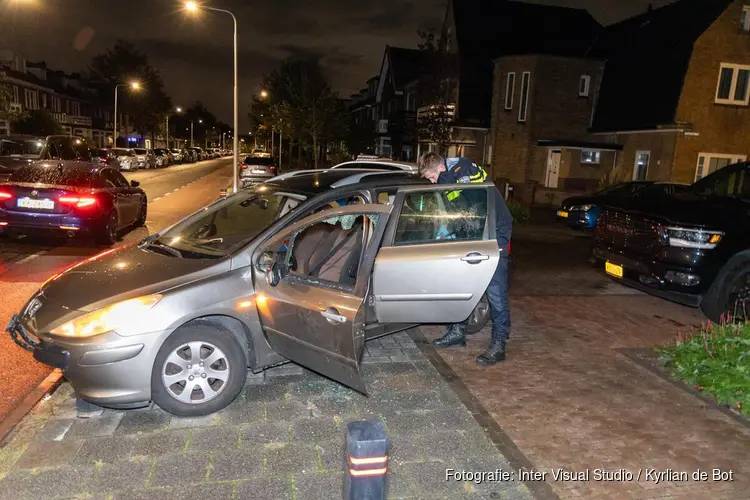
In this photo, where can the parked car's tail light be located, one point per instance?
(5, 195)
(693, 238)
(244, 166)
(78, 201)
(122, 315)
(272, 168)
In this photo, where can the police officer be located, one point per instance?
(439, 170)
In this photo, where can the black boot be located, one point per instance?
(495, 353)
(455, 335)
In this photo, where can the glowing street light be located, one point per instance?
(264, 93)
(195, 8)
(133, 85)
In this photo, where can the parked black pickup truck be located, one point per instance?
(692, 247)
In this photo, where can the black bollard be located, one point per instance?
(367, 460)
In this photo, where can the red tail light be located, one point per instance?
(244, 166)
(5, 195)
(78, 201)
(272, 168)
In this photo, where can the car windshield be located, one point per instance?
(26, 148)
(52, 175)
(225, 226)
(121, 152)
(731, 181)
(140, 151)
(622, 189)
(253, 160)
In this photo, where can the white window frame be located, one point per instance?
(75, 108)
(586, 81)
(510, 89)
(523, 107)
(56, 104)
(635, 163)
(745, 19)
(706, 157)
(597, 155)
(735, 73)
(31, 99)
(16, 95)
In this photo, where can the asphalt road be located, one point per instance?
(25, 264)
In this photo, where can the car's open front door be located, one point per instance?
(438, 256)
(311, 280)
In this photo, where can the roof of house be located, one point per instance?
(487, 29)
(406, 65)
(659, 44)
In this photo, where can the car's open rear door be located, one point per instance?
(438, 255)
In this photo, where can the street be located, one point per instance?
(24, 265)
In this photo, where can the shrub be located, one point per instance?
(612, 177)
(715, 359)
(520, 213)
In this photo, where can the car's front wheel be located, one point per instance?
(199, 370)
(729, 295)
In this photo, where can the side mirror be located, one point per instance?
(134, 184)
(265, 261)
(273, 275)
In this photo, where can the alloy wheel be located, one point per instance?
(112, 227)
(480, 311)
(195, 372)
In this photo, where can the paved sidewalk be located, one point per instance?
(282, 439)
(570, 401)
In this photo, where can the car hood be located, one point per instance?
(709, 212)
(124, 273)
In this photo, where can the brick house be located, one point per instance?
(676, 89)
(479, 32)
(35, 86)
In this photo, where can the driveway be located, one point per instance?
(570, 400)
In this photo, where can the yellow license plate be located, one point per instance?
(613, 269)
(560, 213)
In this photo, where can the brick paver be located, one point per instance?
(283, 438)
(570, 401)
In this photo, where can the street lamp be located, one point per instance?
(176, 110)
(264, 94)
(133, 85)
(194, 7)
(191, 132)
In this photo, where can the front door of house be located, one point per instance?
(640, 169)
(553, 169)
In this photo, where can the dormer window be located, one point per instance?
(745, 18)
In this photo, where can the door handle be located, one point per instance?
(333, 316)
(475, 258)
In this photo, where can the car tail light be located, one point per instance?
(244, 166)
(78, 201)
(272, 168)
(5, 195)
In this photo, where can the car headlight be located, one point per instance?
(693, 238)
(581, 208)
(125, 314)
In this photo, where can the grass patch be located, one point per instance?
(520, 213)
(716, 360)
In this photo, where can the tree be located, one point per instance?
(303, 106)
(6, 97)
(437, 88)
(123, 63)
(37, 122)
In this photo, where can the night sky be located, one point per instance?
(194, 55)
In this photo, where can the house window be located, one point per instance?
(16, 99)
(510, 87)
(709, 163)
(745, 18)
(524, 107)
(733, 84)
(31, 99)
(56, 105)
(75, 108)
(640, 169)
(591, 156)
(583, 86)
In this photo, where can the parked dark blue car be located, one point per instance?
(582, 212)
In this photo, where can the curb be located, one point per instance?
(45, 387)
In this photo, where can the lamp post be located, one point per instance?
(132, 85)
(194, 7)
(177, 110)
(191, 132)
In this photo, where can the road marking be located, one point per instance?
(31, 257)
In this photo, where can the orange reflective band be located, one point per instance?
(368, 460)
(368, 472)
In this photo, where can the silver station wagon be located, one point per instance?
(303, 269)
